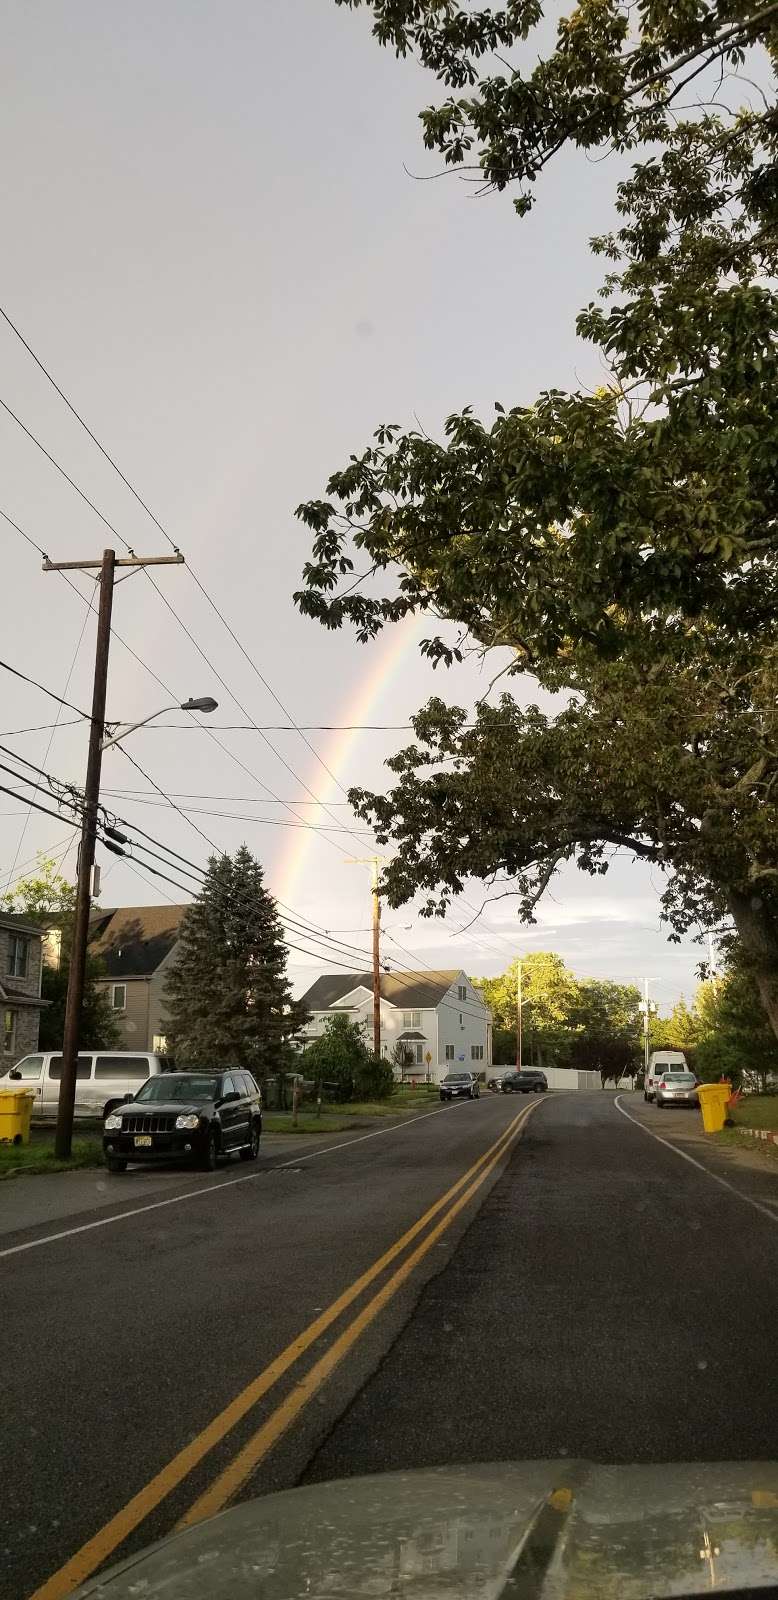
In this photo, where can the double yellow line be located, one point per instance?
(104, 1543)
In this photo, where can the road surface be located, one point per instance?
(493, 1280)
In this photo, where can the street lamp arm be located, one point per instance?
(206, 703)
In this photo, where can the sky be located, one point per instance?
(217, 241)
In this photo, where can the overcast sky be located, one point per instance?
(211, 240)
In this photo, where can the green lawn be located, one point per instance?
(757, 1111)
(30, 1160)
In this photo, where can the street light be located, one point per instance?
(205, 703)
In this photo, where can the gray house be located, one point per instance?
(20, 988)
(136, 947)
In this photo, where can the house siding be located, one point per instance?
(26, 1018)
(133, 1022)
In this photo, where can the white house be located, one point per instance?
(438, 1017)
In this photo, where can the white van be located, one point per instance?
(103, 1079)
(661, 1061)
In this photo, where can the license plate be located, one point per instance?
(143, 1139)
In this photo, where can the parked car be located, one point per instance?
(103, 1079)
(528, 1081)
(661, 1061)
(495, 1084)
(676, 1087)
(460, 1086)
(193, 1116)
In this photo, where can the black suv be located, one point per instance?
(527, 1081)
(189, 1116)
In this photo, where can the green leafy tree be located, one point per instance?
(227, 995)
(621, 544)
(605, 1018)
(734, 1037)
(339, 1056)
(48, 899)
(547, 990)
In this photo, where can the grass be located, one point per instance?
(757, 1111)
(340, 1118)
(33, 1160)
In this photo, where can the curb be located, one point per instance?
(760, 1133)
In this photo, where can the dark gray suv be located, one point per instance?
(528, 1081)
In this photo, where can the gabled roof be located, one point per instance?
(9, 919)
(132, 941)
(410, 990)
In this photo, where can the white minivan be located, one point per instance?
(661, 1061)
(104, 1078)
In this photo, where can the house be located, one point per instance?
(438, 1018)
(135, 946)
(21, 966)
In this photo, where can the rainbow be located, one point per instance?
(293, 866)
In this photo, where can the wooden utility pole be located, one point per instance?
(373, 862)
(518, 1016)
(86, 855)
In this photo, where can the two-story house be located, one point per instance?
(20, 988)
(437, 1018)
(135, 946)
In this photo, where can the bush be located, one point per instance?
(373, 1081)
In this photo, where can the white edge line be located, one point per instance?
(698, 1164)
(215, 1188)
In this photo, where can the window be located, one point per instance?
(119, 997)
(476, 1052)
(419, 1052)
(449, 1052)
(30, 1067)
(83, 1068)
(159, 1044)
(252, 1087)
(17, 956)
(122, 1067)
(411, 1019)
(227, 1086)
(9, 1031)
(461, 1023)
(461, 991)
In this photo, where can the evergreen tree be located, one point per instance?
(228, 996)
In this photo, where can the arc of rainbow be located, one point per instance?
(358, 709)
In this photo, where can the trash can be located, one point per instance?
(15, 1112)
(713, 1105)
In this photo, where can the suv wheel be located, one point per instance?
(115, 1164)
(211, 1152)
(251, 1151)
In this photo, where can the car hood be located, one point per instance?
(163, 1108)
(558, 1530)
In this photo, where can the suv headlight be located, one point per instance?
(112, 1123)
(190, 1120)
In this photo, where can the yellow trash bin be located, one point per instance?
(713, 1105)
(15, 1112)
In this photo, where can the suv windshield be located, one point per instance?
(179, 1086)
(457, 1077)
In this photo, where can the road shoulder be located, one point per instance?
(744, 1169)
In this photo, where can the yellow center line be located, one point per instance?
(108, 1538)
(231, 1480)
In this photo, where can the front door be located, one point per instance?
(232, 1114)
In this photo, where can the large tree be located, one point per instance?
(622, 543)
(548, 991)
(46, 898)
(227, 996)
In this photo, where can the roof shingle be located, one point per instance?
(411, 990)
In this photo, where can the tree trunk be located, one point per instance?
(759, 938)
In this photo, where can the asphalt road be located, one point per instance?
(585, 1291)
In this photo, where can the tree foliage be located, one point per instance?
(591, 1024)
(621, 544)
(48, 899)
(340, 1058)
(227, 996)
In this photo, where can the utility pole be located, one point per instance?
(86, 855)
(518, 1016)
(647, 1006)
(373, 863)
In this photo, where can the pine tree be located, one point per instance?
(227, 995)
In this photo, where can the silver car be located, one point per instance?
(676, 1089)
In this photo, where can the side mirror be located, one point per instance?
(126, 1097)
(15, 1075)
(226, 1098)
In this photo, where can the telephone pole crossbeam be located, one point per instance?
(77, 973)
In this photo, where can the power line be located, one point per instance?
(50, 692)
